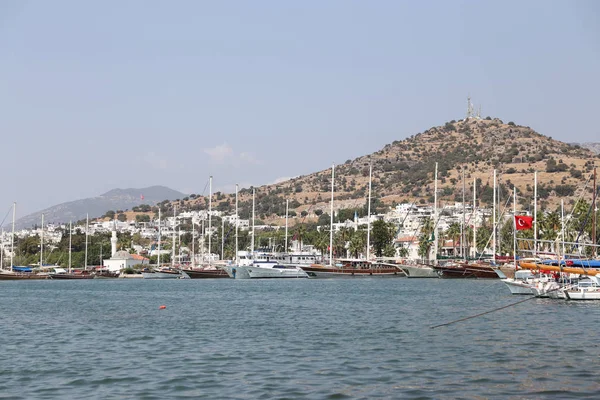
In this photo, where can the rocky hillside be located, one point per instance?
(403, 172)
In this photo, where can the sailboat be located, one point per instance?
(61, 274)
(471, 270)
(18, 273)
(351, 268)
(207, 271)
(266, 266)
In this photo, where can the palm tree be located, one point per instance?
(322, 241)
(453, 233)
(358, 242)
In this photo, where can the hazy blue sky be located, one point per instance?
(95, 96)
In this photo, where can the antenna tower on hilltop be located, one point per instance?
(469, 108)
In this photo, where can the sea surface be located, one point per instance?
(292, 339)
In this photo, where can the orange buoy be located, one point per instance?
(162, 307)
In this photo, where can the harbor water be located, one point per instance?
(297, 338)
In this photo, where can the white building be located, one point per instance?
(122, 259)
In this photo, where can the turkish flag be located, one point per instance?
(523, 222)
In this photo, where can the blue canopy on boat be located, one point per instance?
(574, 262)
(21, 269)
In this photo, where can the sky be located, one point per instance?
(128, 94)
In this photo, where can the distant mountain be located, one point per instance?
(116, 199)
(595, 147)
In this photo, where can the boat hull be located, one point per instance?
(71, 276)
(205, 273)
(466, 271)
(270, 273)
(337, 273)
(16, 276)
(518, 287)
(160, 275)
(582, 294)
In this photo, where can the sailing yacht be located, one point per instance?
(18, 273)
(59, 274)
(210, 270)
(261, 265)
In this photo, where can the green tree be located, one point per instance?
(383, 234)
(358, 243)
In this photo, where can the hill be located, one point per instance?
(403, 172)
(116, 199)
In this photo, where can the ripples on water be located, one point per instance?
(329, 339)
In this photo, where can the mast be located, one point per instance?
(2, 249)
(41, 244)
(236, 222)
(12, 240)
(287, 207)
(331, 217)
(475, 217)
(462, 227)
(193, 244)
(87, 224)
(159, 233)
(210, 220)
(369, 213)
(535, 214)
(494, 221)
(70, 241)
(562, 226)
(435, 233)
(594, 248)
(222, 238)
(253, 204)
(202, 235)
(173, 242)
(515, 226)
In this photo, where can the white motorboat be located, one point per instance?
(587, 289)
(162, 273)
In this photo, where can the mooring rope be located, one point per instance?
(494, 310)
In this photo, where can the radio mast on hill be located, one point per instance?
(471, 109)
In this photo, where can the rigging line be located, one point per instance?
(6, 216)
(587, 217)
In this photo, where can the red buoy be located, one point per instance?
(162, 307)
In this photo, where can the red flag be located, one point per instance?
(523, 222)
